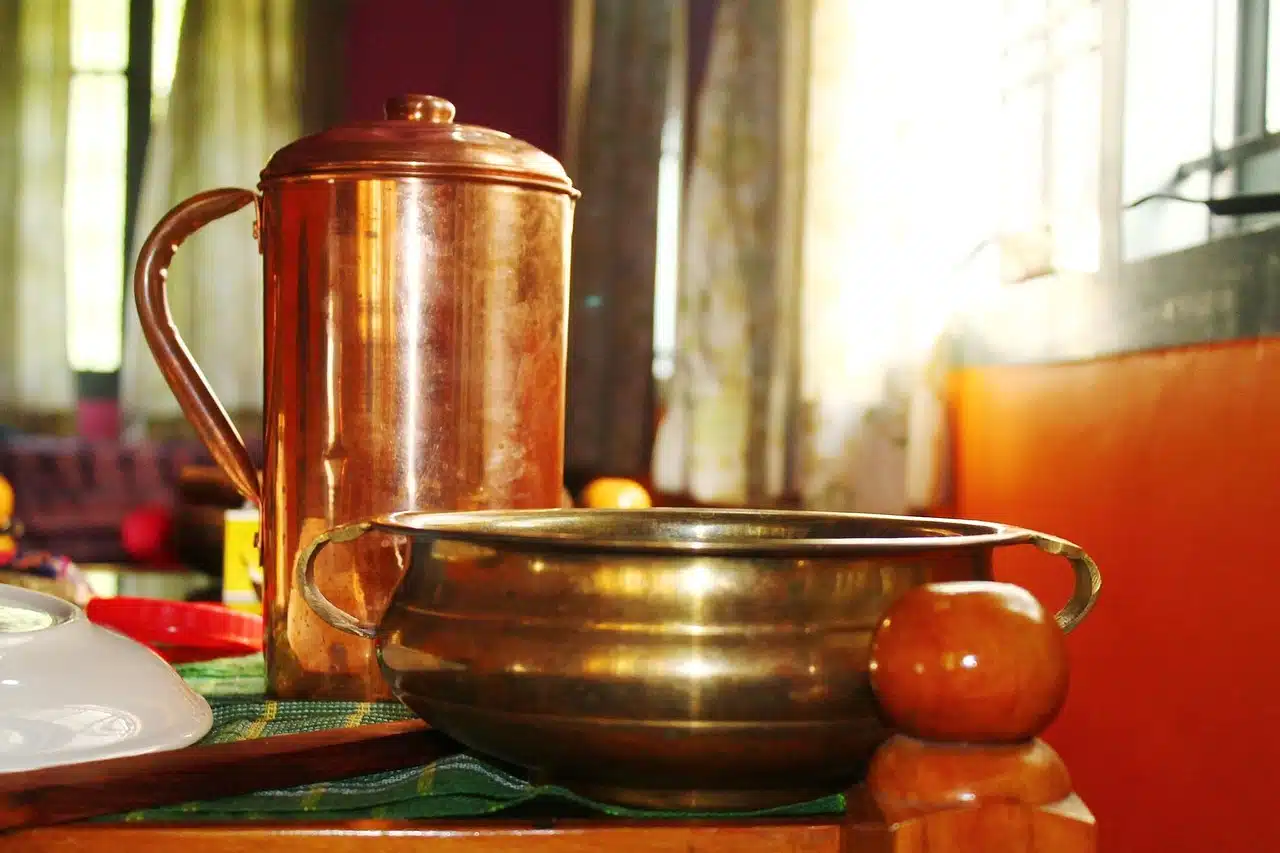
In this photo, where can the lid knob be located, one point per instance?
(420, 108)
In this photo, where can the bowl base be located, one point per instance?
(695, 800)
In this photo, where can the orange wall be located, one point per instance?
(1165, 466)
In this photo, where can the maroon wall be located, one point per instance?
(499, 61)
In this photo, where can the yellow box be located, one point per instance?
(241, 564)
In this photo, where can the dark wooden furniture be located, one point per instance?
(72, 495)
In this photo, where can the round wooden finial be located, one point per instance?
(908, 776)
(973, 662)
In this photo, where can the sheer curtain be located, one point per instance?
(842, 175)
(724, 436)
(252, 75)
(902, 160)
(617, 145)
(35, 85)
(946, 164)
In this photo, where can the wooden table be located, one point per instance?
(967, 774)
(1063, 827)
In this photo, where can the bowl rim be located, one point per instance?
(501, 528)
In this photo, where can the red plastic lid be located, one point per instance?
(179, 631)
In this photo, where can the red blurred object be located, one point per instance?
(147, 535)
(180, 632)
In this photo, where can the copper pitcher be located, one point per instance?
(416, 278)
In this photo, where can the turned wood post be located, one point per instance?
(969, 674)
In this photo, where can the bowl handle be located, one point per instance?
(305, 580)
(1088, 578)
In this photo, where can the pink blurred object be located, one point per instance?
(98, 420)
(147, 535)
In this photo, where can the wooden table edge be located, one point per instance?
(802, 835)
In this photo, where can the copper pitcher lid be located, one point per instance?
(419, 138)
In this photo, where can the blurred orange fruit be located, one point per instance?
(616, 493)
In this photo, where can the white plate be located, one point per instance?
(71, 691)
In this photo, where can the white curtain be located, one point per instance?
(235, 101)
(35, 86)
(723, 438)
(824, 252)
(620, 111)
(903, 146)
(945, 163)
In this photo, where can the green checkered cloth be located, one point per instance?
(460, 786)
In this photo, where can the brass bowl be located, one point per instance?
(712, 659)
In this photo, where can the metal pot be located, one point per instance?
(663, 658)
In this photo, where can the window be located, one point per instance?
(1051, 74)
(1202, 117)
(101, 145)
(95, 188)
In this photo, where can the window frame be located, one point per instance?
(1251, 137)
(1223, 167)
(1041, 248)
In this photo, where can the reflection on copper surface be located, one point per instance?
(416, 277)
(440, 312)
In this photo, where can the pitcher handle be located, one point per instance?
(183, 375)
(305, 580)
(1088, 580)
